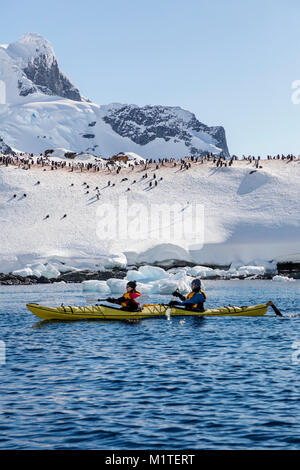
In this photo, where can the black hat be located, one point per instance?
(196, 283)
(131, 284)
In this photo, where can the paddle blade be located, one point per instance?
(94, 299)
(277, 312)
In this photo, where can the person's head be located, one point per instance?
(131, 286)
(196, 285)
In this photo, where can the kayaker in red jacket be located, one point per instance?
(128, 300)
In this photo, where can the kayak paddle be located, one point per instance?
(278, 313)
(93, 299)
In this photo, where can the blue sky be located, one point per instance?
(231, 63)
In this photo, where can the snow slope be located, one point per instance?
(247, 217)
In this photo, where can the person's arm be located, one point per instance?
(176, 293)
(119, 301)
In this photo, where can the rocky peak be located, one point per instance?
(28, 47)
(35, 57)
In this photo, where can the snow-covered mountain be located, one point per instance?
(40, 109)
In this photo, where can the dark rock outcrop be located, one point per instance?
(49, 80)
(25, 90)
(71, 276)
(87, 275)
(145, 124)
(89, 136)
(5, 149)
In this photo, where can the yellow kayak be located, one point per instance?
(104, 312)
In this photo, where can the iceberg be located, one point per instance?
(96, 286)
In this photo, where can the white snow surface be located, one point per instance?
(135, 157)
(248, 229)
(31, 45)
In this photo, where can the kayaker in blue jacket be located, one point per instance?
(194, 300)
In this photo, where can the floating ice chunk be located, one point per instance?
(200, 271)
(180, 274)
(96, 286)
(153, 273)
(63, 268)
(117, 285)
(117, 260)
(167, 286)
(269, 266)
(283, 279)
(37, 269)
(185, 269)
(203, 272)
(250, 270)
(145, 288)
(147, 273)
(134, 275)
(23, 272)
(50, 272)
(183, 278)
(220, 273)
(232, 272)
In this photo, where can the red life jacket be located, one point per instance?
(131, 296)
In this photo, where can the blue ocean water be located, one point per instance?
(217, 383)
